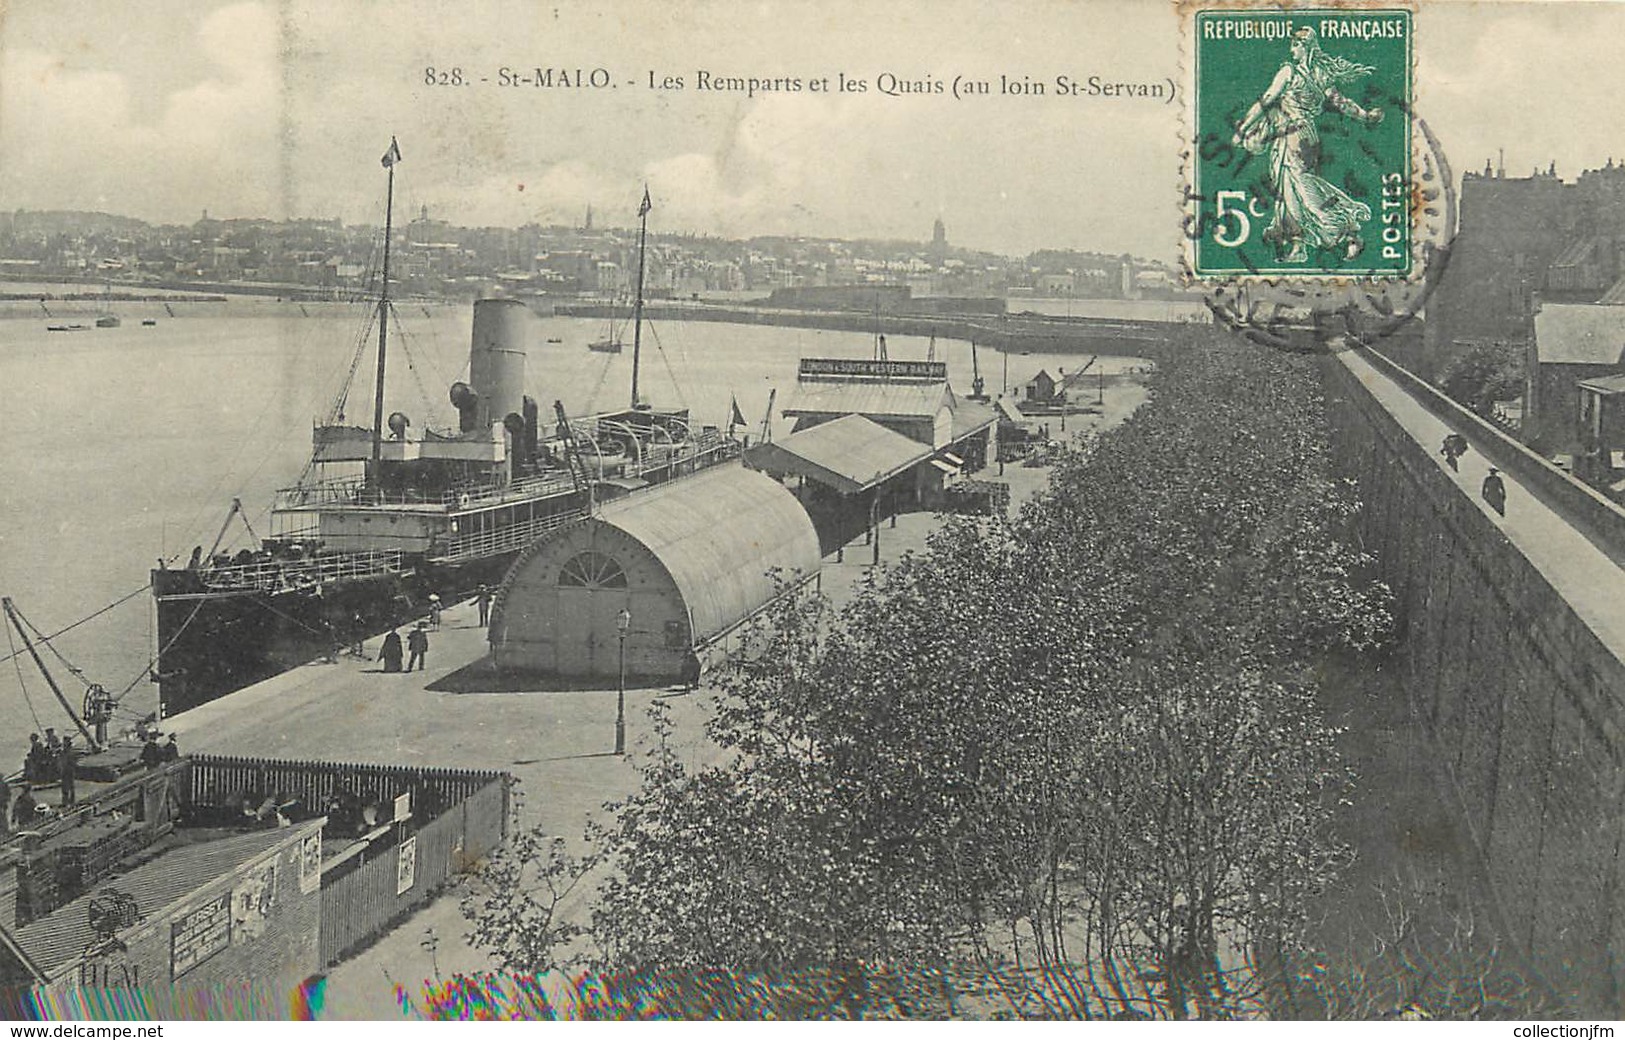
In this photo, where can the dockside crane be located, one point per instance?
(98, 705)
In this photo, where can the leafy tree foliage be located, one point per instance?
(1484, 376)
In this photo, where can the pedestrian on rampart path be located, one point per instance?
(418, 643)
(1495, 492)
(483, 598)
(1455, 446)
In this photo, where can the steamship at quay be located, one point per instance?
(386, 517)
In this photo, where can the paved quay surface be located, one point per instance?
(557, 744)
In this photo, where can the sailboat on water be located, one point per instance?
(388, 515)
(611, 342)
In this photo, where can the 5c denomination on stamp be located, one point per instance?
(1300, 131)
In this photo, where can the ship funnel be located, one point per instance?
(465, 400)
(398, 422)
(496, 359)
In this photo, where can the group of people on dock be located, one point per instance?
(415, 647)
(154, 754)
(53, 759)
(417, 641)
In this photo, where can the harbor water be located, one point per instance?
(123, 446)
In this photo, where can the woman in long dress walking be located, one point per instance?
(1310, 211)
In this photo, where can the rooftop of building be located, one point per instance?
(184, 868)
(850, 454)
(1580, 334)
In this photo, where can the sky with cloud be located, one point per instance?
(281, 108)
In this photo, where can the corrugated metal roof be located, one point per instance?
(1615, 295)
(891, 400)
(850, 454)
(718, 533)
(61, 936)
(1580, 334)
(1577, 253)
(970, 416)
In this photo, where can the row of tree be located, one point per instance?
(1066, 764)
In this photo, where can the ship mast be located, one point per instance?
(637, 306)
(391, 157)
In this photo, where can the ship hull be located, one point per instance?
(213, 644)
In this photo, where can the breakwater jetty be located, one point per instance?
(1012, 333)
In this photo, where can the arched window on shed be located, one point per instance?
(592, 570)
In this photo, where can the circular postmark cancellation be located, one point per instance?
(1318, 207)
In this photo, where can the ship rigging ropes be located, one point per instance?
(272, 446)
(21, 685)
(79, 673)
(683, 397)
(88, 617)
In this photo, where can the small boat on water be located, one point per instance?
(611, 341)
(66, 328)
(554, 339)
(108, 321)
(149, 321)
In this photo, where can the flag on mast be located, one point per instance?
(735, 416)
(392, 156)
(643, 210)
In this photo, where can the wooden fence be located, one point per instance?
(458, 817)
(359, 903)
(223, 781)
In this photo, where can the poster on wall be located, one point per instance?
(406, 868)
(199, 935)
(251, 901)
(310, 862)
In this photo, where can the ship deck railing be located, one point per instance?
(353, 491)
(285, 574)
(705, 446)
(511, 538)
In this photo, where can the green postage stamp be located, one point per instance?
(1300, 160)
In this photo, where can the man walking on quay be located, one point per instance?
(483, 598)
(1495, 492)
(418, 643)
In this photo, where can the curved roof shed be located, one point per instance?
(687, 560)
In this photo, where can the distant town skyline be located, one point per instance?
(282, 110)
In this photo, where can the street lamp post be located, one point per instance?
(623, 624)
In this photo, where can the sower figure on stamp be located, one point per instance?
(1310, 212)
